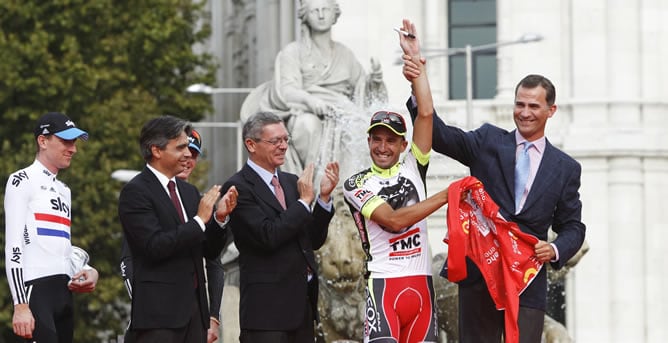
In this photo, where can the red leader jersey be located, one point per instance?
(503, 253)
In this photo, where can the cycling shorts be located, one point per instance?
(400, 310)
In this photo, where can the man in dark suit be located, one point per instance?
(549, 199)
(276, 231)
(169, 228)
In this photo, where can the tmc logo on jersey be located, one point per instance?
(59, 205)
(363, 195)
(406, 244)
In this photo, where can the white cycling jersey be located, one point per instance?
(37, 228)
(390, 254)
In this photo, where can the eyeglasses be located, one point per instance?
(276, 141)
(384, 116)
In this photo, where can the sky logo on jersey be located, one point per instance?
(406, 244)
(18, 177)
(16, 255)
(50, 218)
(59, 205)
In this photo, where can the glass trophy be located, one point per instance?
(78, 259)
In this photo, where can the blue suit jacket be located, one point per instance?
(275, 248)
(553, 201)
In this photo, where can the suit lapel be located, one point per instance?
(157, 189)
(187, 201)
(507, 161)
(545, 175)
(262, 189)
(289, 191)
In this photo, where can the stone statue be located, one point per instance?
(341, 273)
(315, 79)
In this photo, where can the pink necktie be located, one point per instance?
(175, 199)
(279, 191)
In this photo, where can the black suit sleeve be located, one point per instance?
(215, 276)
(449, 140)
(126, 266)
(321, 218)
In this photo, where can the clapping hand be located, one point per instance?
(329, 181)
(205, 208)
(305, 185)
(227, 203)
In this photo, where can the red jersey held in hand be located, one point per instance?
(503, 253)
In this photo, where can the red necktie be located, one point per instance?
(175, 199)
(279, 191)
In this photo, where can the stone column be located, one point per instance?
(655, 257)
(627, 225)
(627, 249)
(505, 86)
(653, 89)
(588, 290)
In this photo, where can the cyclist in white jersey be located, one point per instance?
(389, 204)
(40, 271)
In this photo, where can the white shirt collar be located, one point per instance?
(162, 178)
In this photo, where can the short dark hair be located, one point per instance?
(535, 80)
(159, 131)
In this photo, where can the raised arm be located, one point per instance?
(422, 127)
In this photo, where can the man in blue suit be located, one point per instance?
(549, 199)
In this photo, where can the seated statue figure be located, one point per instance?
(315, 80)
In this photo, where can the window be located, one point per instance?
(472, 22)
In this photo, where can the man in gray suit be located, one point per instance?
(550, 198)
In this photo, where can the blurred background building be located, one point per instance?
(607, 60)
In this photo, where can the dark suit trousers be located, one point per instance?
(481, 322)
(303, 334)
(193, 332)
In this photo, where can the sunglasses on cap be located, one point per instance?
(391, 120)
